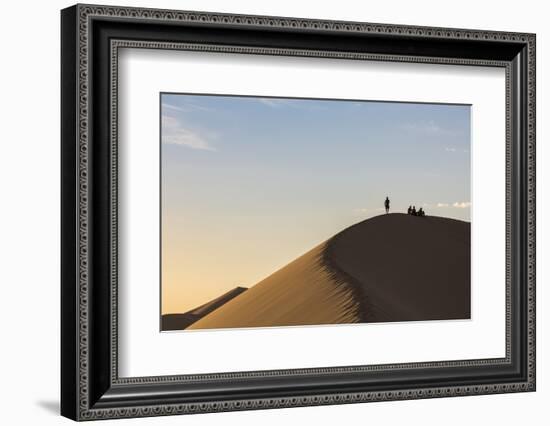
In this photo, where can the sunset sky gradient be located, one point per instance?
(249, 184)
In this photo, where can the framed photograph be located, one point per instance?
(263, 212)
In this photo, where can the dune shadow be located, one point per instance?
(50, 406)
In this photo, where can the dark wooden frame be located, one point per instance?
(90, 386)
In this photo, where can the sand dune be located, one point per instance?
(388, 268)
(304, 292)
(182, 321)
(407, 267)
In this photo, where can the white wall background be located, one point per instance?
(29, 211)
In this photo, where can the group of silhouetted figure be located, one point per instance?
(410, 211)
(413, 212)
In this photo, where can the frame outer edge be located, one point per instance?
(83, 13)
(531, 200)
(69, 189)
(83, 207)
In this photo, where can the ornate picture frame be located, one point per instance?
(91, 38)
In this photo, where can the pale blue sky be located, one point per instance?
(282, 175)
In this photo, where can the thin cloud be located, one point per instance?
(187, 107)
(172, 107)
(188, 138)
(456, 205)
(302, 104)
(169, 122)
(428, 127)
(271, 102)
(462, 205)
(174, 133)
(452, 149)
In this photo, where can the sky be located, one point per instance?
(248, 184)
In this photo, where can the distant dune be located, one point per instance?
(391, 267)
(182, 321)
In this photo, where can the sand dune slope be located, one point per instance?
(304, 292)
(182, 321)
(388, 268)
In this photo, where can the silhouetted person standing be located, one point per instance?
(413, 212)
(409, 210)
(387, 205)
